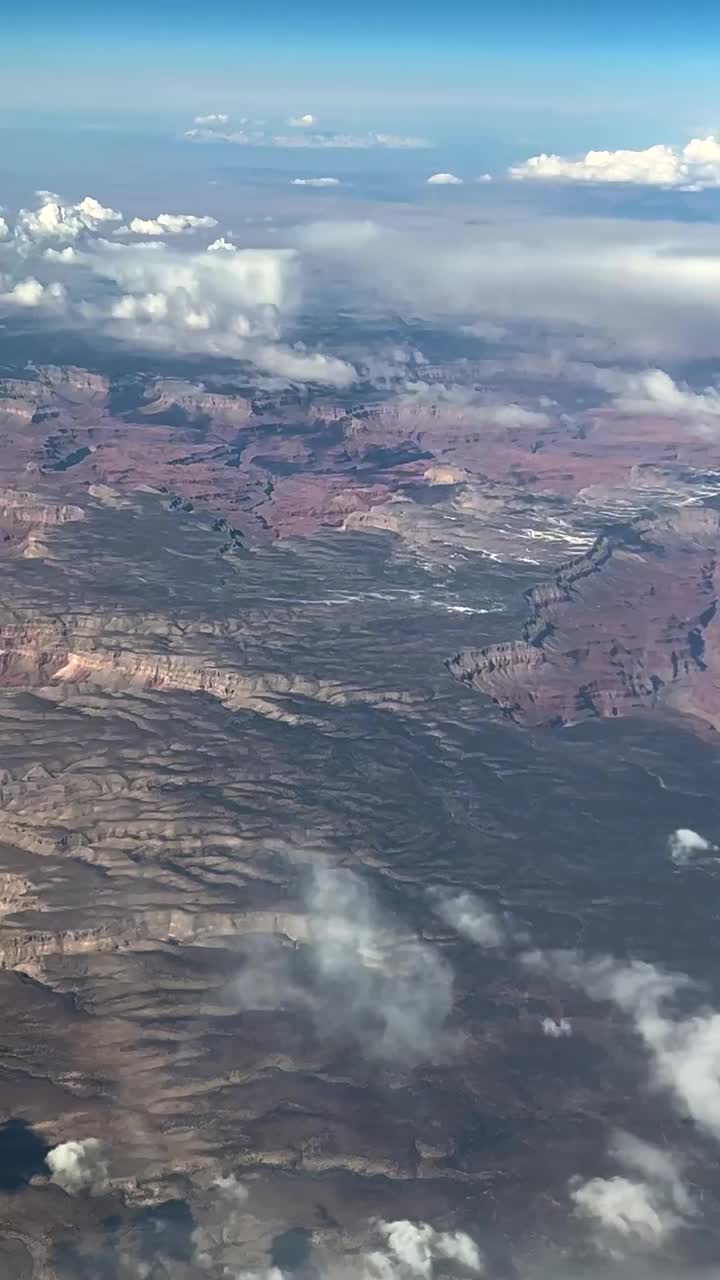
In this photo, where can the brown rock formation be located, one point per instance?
(629, 628)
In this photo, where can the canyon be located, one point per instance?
(630, 628)
(226, 624)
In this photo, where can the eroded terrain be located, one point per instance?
(236, 774)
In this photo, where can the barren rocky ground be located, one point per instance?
(236, 774)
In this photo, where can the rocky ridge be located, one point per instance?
(628, 628)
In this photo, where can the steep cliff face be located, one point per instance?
(627, 629)
(196, 402)
(37, 651)
(72, 378)
(20, 508)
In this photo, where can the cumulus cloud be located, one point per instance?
(213, 302)
(417, 1251)
(216, 117)
(232, 1189)
(68, 254)
(54, 220)
(649, 289)
(685, 845)
(171, 224)
(31, 293)
(556, 1029)
(221, 301)
(79, 1166)
(221, 245)
(684, 1049)
(691, 168)
(361, 976)
(4, 228)
(302, 122)
(444, 180)
(471, 918)
(641, 1211)
(399, 1250)
(624, 1209)
(315, 182)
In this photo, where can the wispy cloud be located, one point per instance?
(471, 917)
(315, 182)
(304, 134)
(368, 980)
(629, 1211)
(684, 1049)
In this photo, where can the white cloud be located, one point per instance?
(414, 1251)
(221, 245)
(444, 180)
(471, 918)
(172, 224)
(484, 329)
(340, 238)
(222, 301)
(350, 141)
(367, 980)
(651, 290)
(684, 845)
(54, 220)
(232, 1189)
(4, 228)
(79, 1166)
(382, 987)
(241, 295)
(654, 392)
(624, 1209)
(31, 293)
(556, 1029)
(298, 365)
(692, 168)
(67, 254)
(315, 182)
(248, 133)
(684, 1050)
(399, 1250)
(217, 117)
(658, 1165)
(485, 408)
(636, 1211)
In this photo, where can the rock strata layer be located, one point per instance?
(629, 628)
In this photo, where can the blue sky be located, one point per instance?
(562, 74)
